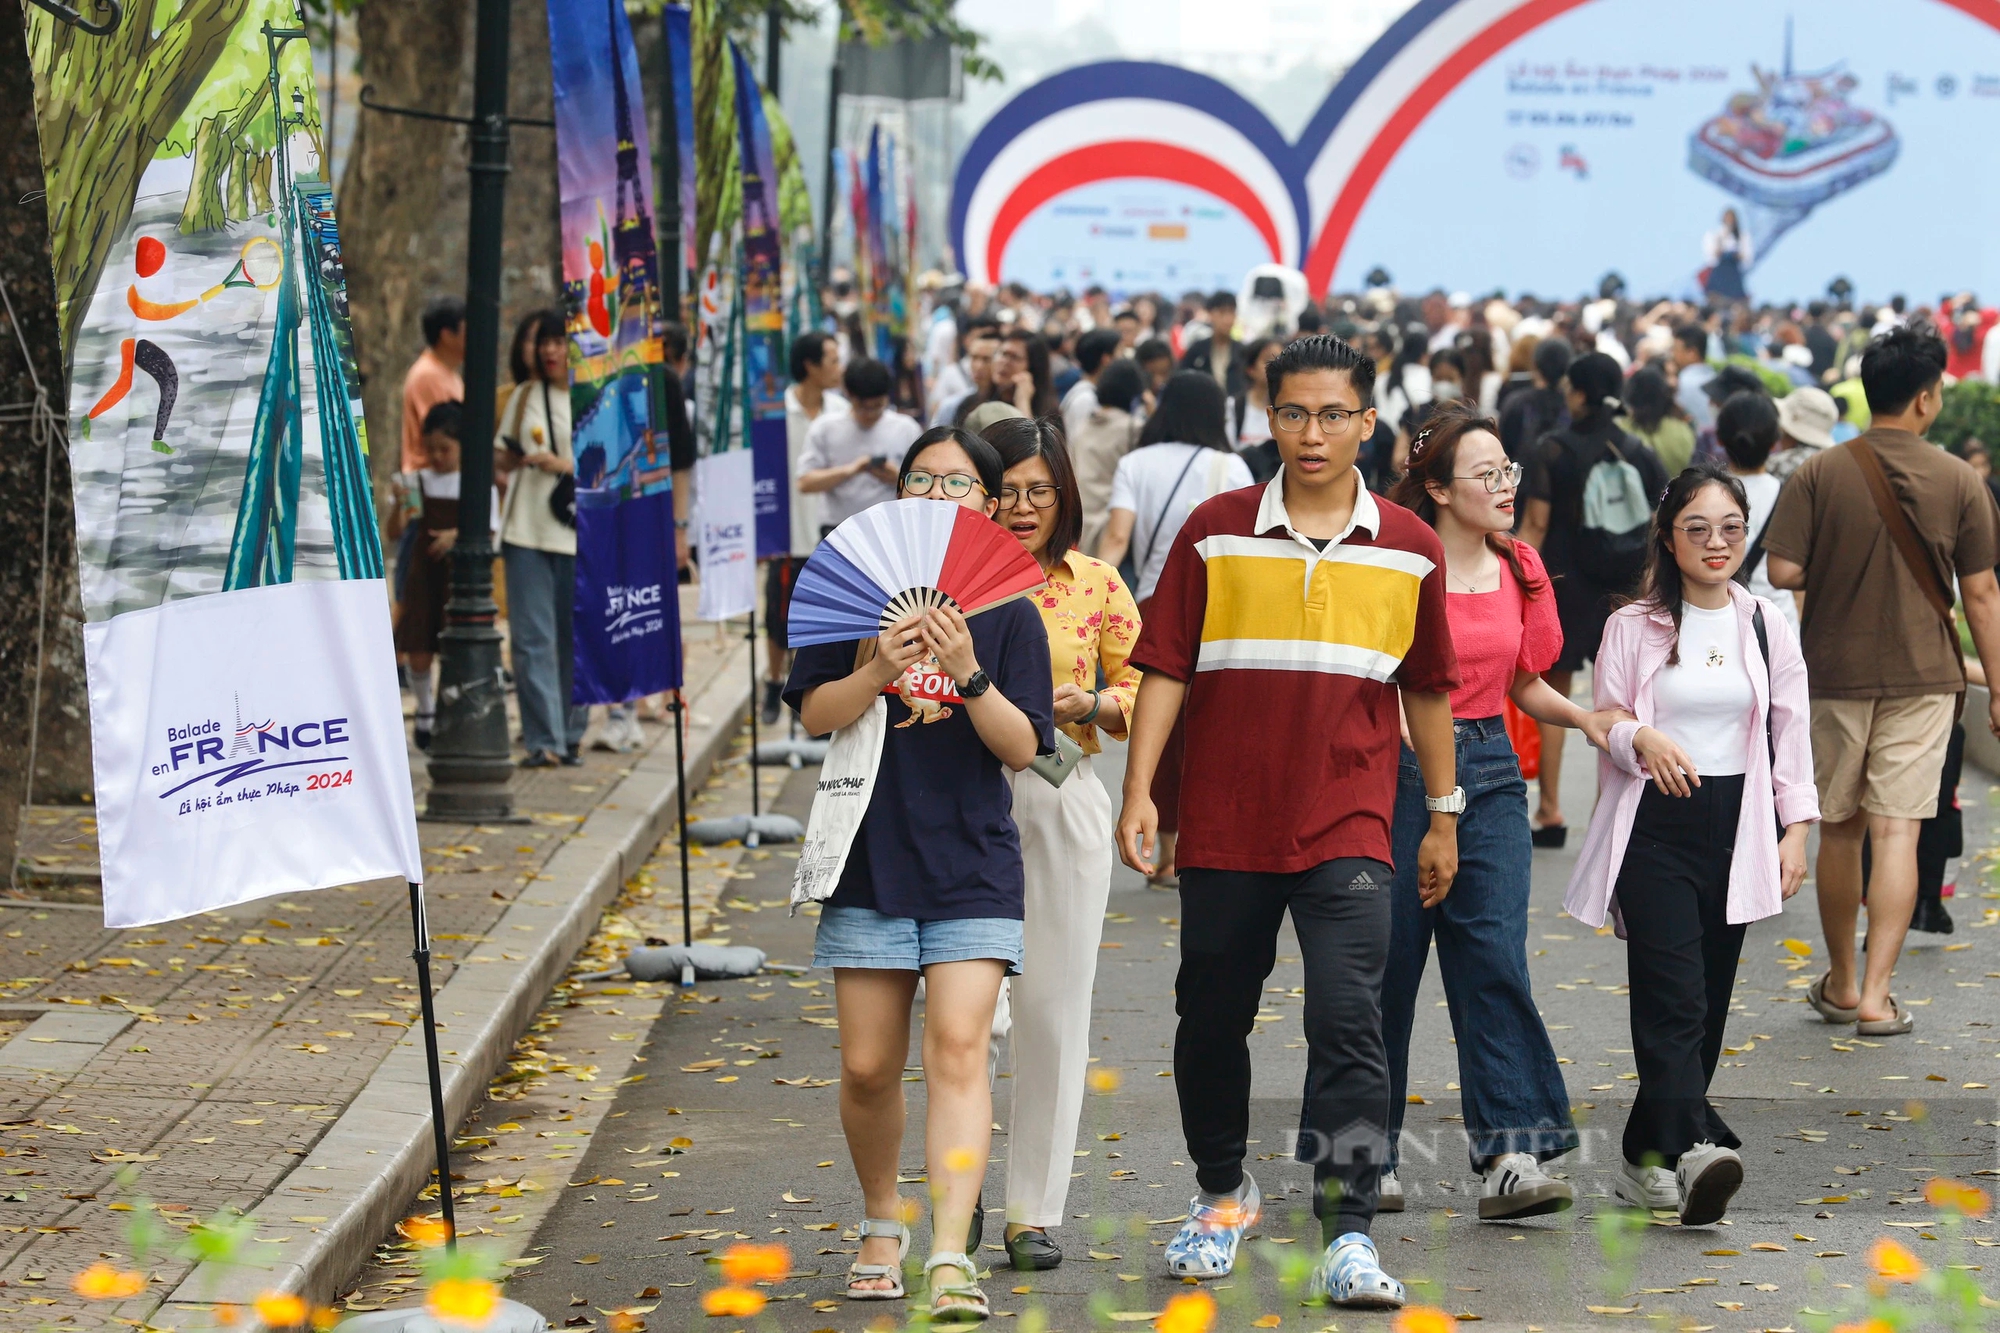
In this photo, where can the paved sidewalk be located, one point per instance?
(220, 1056)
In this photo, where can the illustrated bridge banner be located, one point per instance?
(627, 608)
(247, 733)
(1532, 145)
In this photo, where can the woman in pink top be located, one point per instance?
(1505, 630)
(1684, 850)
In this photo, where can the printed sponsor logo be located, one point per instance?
(205, 751)
(633, 609)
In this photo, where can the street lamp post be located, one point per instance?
(471, 765)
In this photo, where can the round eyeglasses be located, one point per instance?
(954, 485)
(1733, 531)
(1497, 478)
(1042, 496)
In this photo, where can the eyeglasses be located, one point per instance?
(1331, 420)
(1041, 497)
(955, 485)
(1733, 531)
(1498, 478)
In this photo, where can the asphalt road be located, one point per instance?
(1840, 1136)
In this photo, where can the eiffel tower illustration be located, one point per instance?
(632, 232)
(244, 731)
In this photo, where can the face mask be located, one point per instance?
(1446, 389)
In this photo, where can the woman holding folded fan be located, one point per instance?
(1065, 829)
(932, 884)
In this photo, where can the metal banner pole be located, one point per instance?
(440, 1131)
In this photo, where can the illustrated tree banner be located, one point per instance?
(246, 726)
(627, 610)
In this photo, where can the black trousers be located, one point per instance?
(1681, 955)
(1229, 940)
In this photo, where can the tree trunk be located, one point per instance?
(404, 191)
(118, 98)
(242, 160)
(204, 209)
(260, 181)
(29, 474)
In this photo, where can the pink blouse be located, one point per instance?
(1501, 632)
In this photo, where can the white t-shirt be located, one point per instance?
(835, 440)
(435, 485)
(538, 422)
(1159, 486)
(1705, 703)
(1081, 401)
(805, 508)
(1762, 488)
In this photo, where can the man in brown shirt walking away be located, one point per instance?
(1874, 531)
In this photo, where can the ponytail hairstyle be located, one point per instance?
(1598, 378)
(1433, 461)
(1661, 590)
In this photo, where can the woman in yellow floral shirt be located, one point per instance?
(1066, 831)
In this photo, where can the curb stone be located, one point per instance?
(483, 1009)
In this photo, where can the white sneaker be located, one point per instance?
(1645, 1187)
(1389, 1194)
(1516, 1186)
(1706, 1179)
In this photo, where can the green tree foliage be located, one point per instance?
(1971, 411)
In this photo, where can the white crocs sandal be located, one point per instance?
(893, 1273)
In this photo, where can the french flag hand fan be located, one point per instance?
(903, 556)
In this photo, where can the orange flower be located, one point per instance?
(429, 1232)
(733, 1302)
(624, 1321)
(324, 1317)
(1893, 1263)
(461, 1300)
(746, 1265)
(280, 1309)
(227, 1315)
(1423, 1319)
(102, 1282)
(1957, 1196)
(1190, 1312)
(1866, 1326)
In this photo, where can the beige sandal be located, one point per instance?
(1901, 1025)
(893, 1273)
(956, 1302)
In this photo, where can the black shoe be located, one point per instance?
(1033, 1252)
(774, 701)
(423, 738)
(1551, 836)
(571, 758)
(977, 1231)
(1931, 916)
(540, 759)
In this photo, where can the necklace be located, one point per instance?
(1471, 585)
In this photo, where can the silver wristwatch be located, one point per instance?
(1454, 804)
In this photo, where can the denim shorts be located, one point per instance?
(861, 937)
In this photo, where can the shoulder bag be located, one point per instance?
(1160, 519)
(840, 798)
(562, 500)
(1916, 557)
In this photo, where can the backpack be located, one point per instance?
(1614, 530)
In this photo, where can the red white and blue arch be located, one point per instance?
(1121, 120)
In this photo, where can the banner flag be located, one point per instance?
(627, 631)
(763, 300)
(725, 474)
(246, 729)
(680, 56)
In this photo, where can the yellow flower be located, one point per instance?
(227, 1315)
(1190, 1312)
(102, 1282)
(1104, 1081)
(624, 1321)
(324, 1317)
(1893, 1263)
(1423, 1319)
(1957, 1196)
(1866, 1326)
(429, 1232)
(460, 1300)
(733, 1302)
(280, 1309)
(959, 1159)
(746, 1265)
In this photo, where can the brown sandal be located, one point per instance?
(1831, 1012)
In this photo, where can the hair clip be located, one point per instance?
(1417, 445)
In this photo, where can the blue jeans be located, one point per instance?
(541, 593)
(1512, 1090)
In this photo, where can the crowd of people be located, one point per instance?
(1403, 521)
(1399, 520)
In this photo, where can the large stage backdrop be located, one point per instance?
(1530, 144)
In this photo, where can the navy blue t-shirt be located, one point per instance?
(938, 842)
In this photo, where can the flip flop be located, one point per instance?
(1831, 1012)
(1898, 1026)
